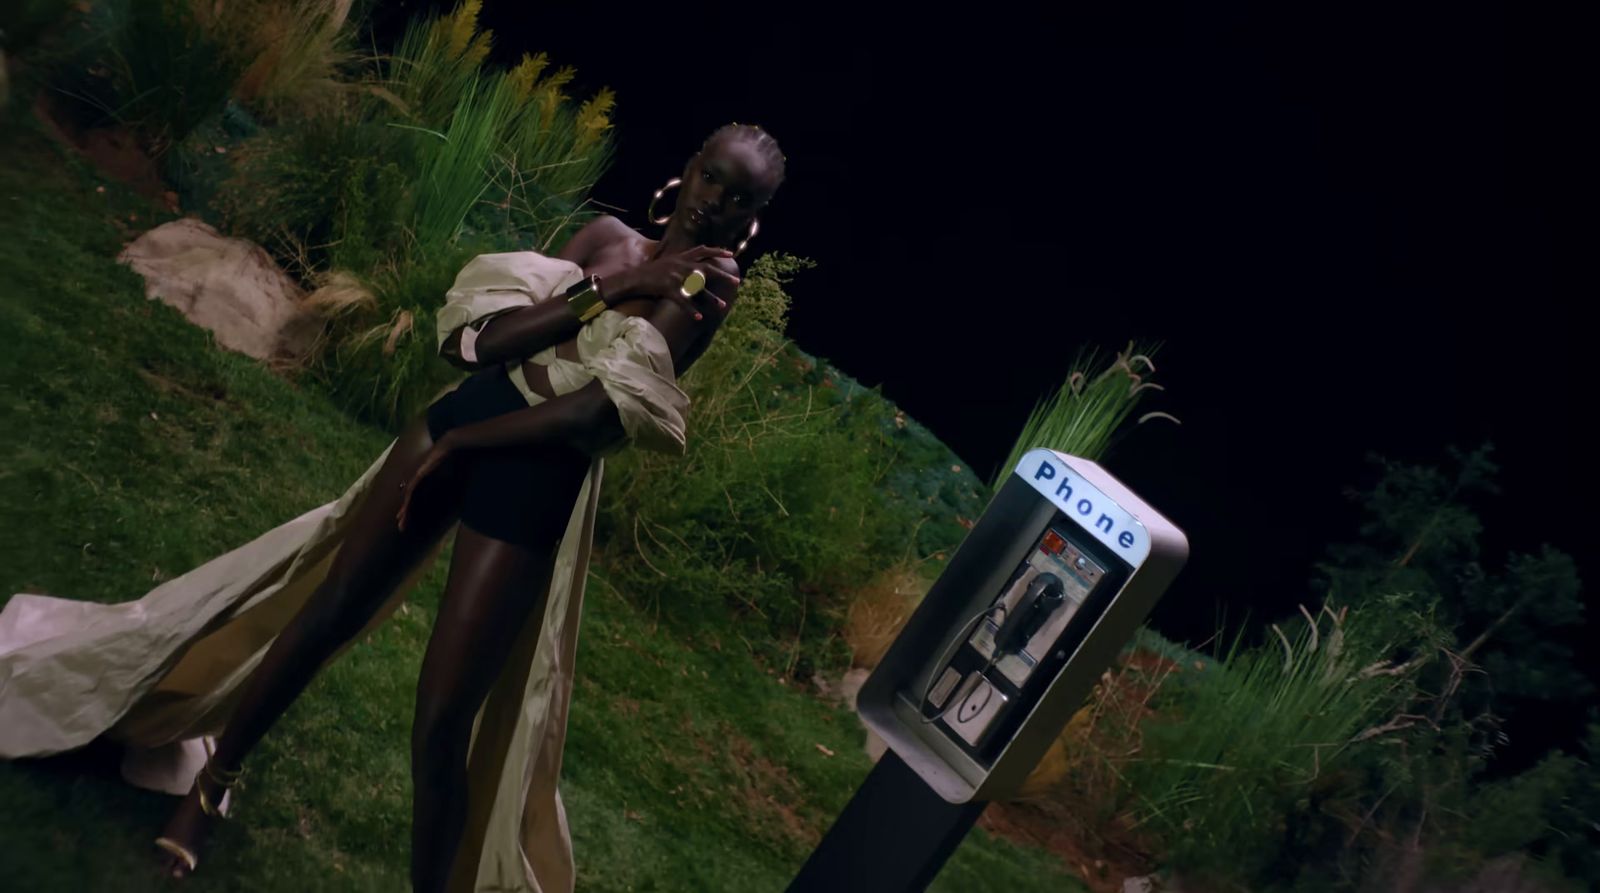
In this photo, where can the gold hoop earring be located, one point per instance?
(650, 212)
(755, 227)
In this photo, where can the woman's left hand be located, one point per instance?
(438, 455)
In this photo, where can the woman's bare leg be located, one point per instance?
(487, 602)
(374, 559)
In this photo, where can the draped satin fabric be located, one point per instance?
(163, 672)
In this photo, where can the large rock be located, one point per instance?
(229, 286)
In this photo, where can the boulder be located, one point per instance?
(229, 286)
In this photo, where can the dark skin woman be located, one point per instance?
(413, 502)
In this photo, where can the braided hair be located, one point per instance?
(762, 140)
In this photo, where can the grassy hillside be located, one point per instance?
(134, 448)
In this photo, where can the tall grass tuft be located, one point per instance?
(879, 608)
(165, 67)
(378, 358)
(158, 67)
(1236, 749)
(436, 61)
(454, 168)
(553, 153)
(295, 50)
(436, 157)
(1087, 411)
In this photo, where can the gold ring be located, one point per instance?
(692, 284)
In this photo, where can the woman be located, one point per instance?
(508, 454)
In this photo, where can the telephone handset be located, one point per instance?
(1043, 597)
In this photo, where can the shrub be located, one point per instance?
(434, 159)
(779, 504)
(159, 67)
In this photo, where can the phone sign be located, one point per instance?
(1089, 508)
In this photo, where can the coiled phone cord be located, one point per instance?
(966, 630)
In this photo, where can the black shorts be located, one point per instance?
(518, 494)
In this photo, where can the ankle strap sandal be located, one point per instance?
(223, 778)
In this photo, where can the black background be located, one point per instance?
(1354, 230)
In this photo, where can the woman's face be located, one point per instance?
(723, 188)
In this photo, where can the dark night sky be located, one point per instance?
(1353, 231)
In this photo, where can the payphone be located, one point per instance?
(1046, 589)
(1052, 581)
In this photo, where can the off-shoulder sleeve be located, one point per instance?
(634, 364)
(491, 284)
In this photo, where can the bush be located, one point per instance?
(879, 608)
(501, 159)
(1235, 754)
(321, 193)
(294, 51)
(1362, 751)
(165, 66)
(782, 502)
(433, 160)
(380, 358)
(159, 67)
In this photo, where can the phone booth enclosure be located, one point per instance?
(1061, 569)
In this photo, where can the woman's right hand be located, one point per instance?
(663, 278)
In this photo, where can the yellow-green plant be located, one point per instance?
(295, 50)
(436, 157)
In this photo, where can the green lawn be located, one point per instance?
(134, 449)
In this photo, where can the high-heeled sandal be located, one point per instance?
(222, 778)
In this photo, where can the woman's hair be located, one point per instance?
(763, 142)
